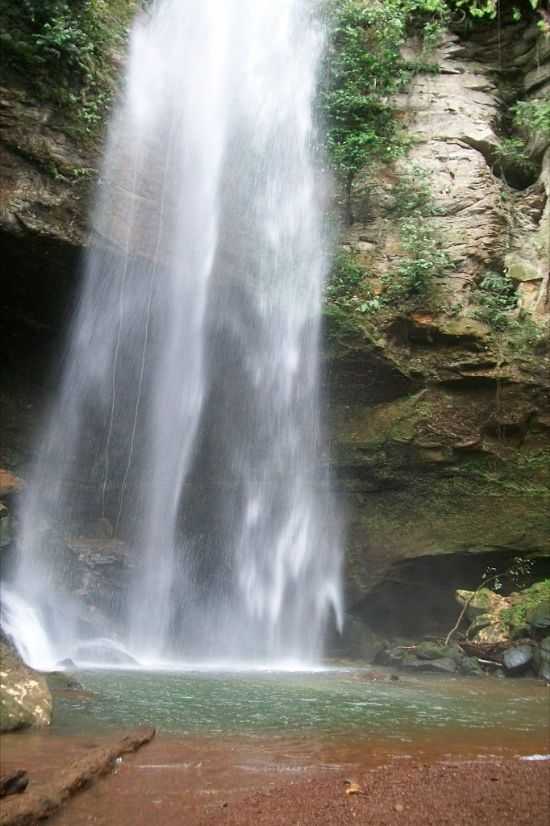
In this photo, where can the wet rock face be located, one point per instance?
(25, 699)
(486, 222)
(455, 459)
(518, 659)
(38, 163)
(44, 186)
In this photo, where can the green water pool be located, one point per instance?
(327, 702)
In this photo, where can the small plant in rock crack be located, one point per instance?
(512, 157)
(533, 116)
(497, 298)
(345, 278)
(423, 261)
(347, 290)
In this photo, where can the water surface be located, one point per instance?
(323, 703)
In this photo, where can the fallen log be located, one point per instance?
(14, 782)
(47, 798)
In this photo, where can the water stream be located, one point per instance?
(187, 422)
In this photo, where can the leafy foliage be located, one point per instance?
(517, 572)
(533, 116)
(347, 289)
(497, 298)
(517, 616)
(66, 47)
(424, 257)
(488, 9)
(363, 68)
(424, 260)
(345, 277)
(512, 161)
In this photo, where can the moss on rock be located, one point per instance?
(25, 699)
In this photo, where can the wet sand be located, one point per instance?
(473, 777)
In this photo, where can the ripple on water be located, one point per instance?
(324, 702)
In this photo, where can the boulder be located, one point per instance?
(67, 664)
(5, 531)
(15, 782)
(484, 602)
(9, 484)
(538, 617)
(25, 698)
(106, 652)
(443, 665)
(518, 659)
(61, 681)
(480, 622)
(434, 651)
(470, 667)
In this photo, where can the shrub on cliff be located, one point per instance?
(64, 49)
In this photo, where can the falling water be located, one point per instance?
(187, 421)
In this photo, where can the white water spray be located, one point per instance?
(188, 416)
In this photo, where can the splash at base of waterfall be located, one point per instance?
(21, 624)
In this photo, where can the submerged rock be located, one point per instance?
(67, 663)
(538, 617)
(13, 783)
(434, 651)
(25, 698)
(484, 603)
(518, 659)
(544, 671)
(60, 681)
(542, 659)
(443, 665)
(104, 652)
(470, 667)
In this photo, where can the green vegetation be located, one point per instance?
(525, 604)
(533, 116)
(348, 293)
(497, 298)
(363, 69)
(528, 475)
(66, 47)
(516, 573)
(480, 10)
(424, 257)
(512, 159)
(422, 261)
(346, 277)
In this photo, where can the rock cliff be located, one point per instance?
(439, 420)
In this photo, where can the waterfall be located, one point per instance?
(188, 416)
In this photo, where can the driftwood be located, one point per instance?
(14, 782)
(486, 651)
(47, 798)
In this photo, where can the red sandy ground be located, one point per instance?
(296, 783)
(499, 793)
